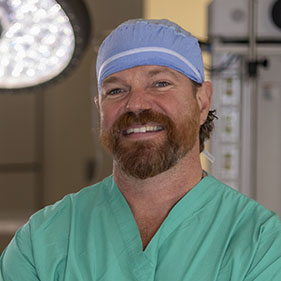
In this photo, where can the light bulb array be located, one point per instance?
(36, 44)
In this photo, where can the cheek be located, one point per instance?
(190, 111)
(180, 110)
(169, 107)
(107, 117)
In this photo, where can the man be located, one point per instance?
(160, 216)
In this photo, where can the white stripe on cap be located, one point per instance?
(149, 49)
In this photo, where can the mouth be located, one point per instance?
(142, 129)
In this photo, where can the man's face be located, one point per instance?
(149, 119)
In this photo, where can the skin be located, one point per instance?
(169, 92)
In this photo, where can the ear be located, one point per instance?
(96, 99)
(204, 99)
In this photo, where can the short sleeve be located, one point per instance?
(16, 262)
(266, 264)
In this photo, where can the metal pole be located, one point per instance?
(252, 57)
(252, 29)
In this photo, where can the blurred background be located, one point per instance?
(49, 134)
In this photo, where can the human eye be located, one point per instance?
(114, 91)
(162, 84)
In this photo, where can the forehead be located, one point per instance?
(146, 72)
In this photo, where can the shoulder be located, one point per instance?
(48, 232)
(252, 234)
(60, 214)
(252, 226)
(243, 216)
(42, 244)
(236, 203)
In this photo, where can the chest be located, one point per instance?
(148, 226)
(183, 255)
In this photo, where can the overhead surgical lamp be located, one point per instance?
(40, 40)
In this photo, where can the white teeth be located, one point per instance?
(144, 129)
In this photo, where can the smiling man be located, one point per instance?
(159, 216)
(150, 119)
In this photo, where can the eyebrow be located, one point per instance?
(110, 79)
(155, 72)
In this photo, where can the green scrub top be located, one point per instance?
(212, 233)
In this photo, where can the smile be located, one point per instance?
(143, 129)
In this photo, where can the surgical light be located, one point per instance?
(40, 40)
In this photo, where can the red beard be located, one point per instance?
(148, 158)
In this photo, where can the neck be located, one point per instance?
(152, 199)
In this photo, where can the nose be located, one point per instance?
(138, 101)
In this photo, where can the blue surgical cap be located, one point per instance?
(150, 42)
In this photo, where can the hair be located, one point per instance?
(206, 128)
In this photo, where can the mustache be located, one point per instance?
(141, 118)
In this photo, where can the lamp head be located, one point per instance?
(40, 41)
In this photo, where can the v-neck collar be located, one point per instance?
(184, 211)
